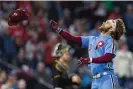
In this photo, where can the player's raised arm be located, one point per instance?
(82, 41)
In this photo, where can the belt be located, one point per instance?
(101, 74)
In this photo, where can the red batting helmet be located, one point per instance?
(17, 16)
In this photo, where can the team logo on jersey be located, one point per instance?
(100, 44)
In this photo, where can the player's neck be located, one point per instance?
(105, 34)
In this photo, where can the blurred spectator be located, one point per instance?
(100, 12)
(78, 27)
(95, 31)
(128, 17)
(21, 60)
(11, 82)
(115, 14)
(34, 49)
(59, 9)
(3, 26)
(52, 40)
(20, 35)
(89, 25)
(21, 84)
(11, 6)
(8, 43)
(62, 23)
(1, 14)
(3, 77)
(84, 26)
(40, 4)
(42, 72)
(90, 4)
(73, 27)
(52, 12)
(42, 75)
(122, 65)
(76, 82)
(86, 77)
(13, 79)
(28, 77)
(67, 17)
(41, 23)
(7, 7)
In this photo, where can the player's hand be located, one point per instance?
(83, 61)
(53, 25)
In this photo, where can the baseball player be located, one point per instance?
(62, 55)
(101, 50)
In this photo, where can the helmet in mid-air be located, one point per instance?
(17, 16)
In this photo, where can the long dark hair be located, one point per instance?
(120, 29)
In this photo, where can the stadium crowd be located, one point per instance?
(25, 52)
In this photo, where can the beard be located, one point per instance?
(105, 27)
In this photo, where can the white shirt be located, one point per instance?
(123, 63)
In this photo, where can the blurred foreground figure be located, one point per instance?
(62, 55)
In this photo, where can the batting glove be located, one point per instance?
(84, 61)
(54, 26)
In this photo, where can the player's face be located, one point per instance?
(109, 25)
(66, 56)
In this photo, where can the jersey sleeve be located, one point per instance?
(85, 41)
(110, 47)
